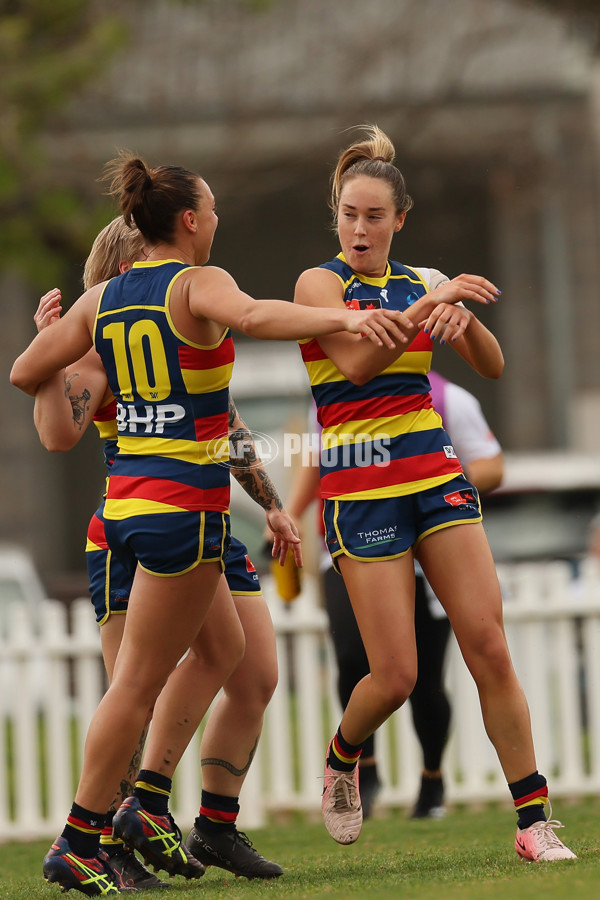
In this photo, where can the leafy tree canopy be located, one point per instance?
(48, 51)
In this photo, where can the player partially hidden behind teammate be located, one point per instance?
(410, 492)
(162, 331)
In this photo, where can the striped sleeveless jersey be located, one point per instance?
(172, 399)
(383, 438)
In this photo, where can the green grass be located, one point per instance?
(469, 855)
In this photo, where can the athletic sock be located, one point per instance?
(343, 756)
(82, 831)
(153, 791)
(107, 841)
(217, 812)
(530, 796)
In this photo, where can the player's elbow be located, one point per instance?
(252, 322)
(357, 374)
(18, 377)
(497, 370)
(56, 443)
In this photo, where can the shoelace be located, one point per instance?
(344, 791)
(243, 837)
(546, 833)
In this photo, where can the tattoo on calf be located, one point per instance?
(215, 761)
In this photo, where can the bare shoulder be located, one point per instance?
(318, 287)
(207, 276)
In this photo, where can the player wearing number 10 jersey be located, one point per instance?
(172, 407)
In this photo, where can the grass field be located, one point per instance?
(468, 855)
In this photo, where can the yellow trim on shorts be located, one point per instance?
(447, 525)
(344, 550)
(106, 588)
(199, 559)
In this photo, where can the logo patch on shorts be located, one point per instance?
(461, 498)
(450, 452)
(250, 567)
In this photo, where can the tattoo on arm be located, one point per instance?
(215, 761)
(247, 466)
(79, 402)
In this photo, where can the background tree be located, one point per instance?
(48, 52)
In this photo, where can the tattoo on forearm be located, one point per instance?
(79, 402)
(215, 761)
(247, 466)
(259, 486)
(232, 412)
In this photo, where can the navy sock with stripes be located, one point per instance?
(530, 796)
(153, 791)
(343, 756)
(217, 812)
(82, 830)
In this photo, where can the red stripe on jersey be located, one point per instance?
(312, 351)
(211, 427)
(195, 358)
(373, 408)
(368, 478)
(107, 412)
(124, 487)
(421, 342)
(96, 533)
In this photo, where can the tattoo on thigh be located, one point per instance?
(215, 761)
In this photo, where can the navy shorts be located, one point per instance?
(372, 530)
(110, 580)
(240, 572)
(168, 544)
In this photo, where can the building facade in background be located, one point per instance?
(494, 108)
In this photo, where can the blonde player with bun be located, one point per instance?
(394, 491)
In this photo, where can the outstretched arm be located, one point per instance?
(249, 471)
(67, 401)
(213, 295)
(68, 340)
(360, 360)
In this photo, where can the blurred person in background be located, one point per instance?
(394, 489)
(482, 458)
(162, 330)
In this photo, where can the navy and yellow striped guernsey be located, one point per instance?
(383, 438)
(172, 399)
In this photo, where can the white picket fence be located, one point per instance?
(53, 679)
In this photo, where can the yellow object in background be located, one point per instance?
(288, 580)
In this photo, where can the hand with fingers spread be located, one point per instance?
(382, 326)
(466, 287)
(49, 309)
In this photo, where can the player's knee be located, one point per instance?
(490, 658)
(395, 688)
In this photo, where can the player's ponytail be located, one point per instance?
(372, 156)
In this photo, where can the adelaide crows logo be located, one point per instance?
(464, 498)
